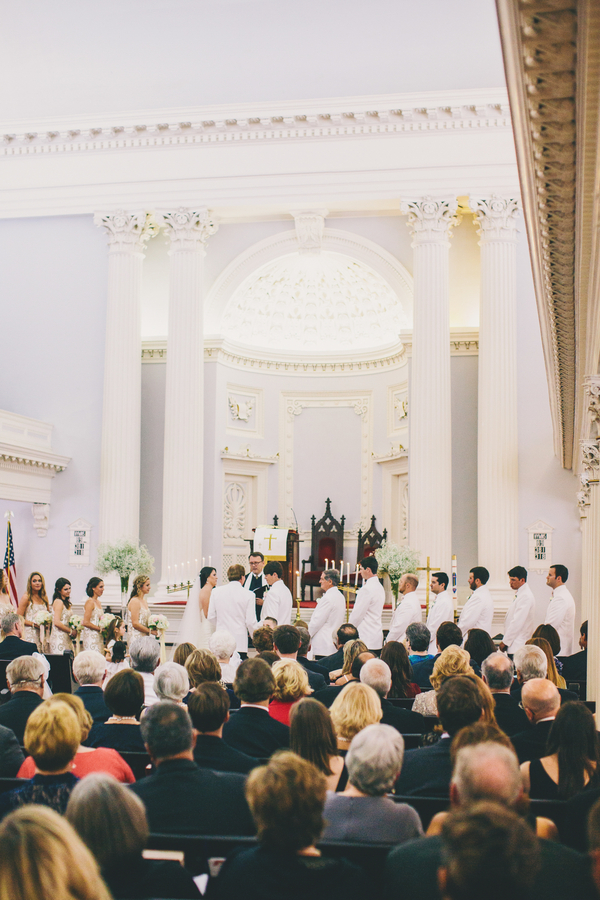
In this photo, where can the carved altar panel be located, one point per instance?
(244, 507)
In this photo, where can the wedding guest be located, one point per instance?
(552, 675)
(13, 644)
(118, 660)
(11, 755)
(89, 670)
(33, 601)
(418, 639)
(144, 657)
(452, 661)
(208, 707)
(116, 631)
(305, 648)
(62, 633)
(376, 673)
(287, 643)
(335, 661)
(313, 737)
(138, 611)
(479, 645)
(25, 679)
(262, 639)
(182, 651)
(575, 666)
(91, 634)
(251, 729)
(202, 666)
(171, 682)
(222, 644)
(357, 706)
(124, 696)
(395, 655)
(352, 649)
(269, 656)
(291, 684)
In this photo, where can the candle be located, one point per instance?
(326, 564)
(454, 576)
(348, 572)
(188, 571)
(210, 560)
(195, 567)
(298, 585)
(169, 575)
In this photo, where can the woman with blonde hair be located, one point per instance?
(552, 675)
(452, 661)
(201, 666)
(138, 611)
(87, 759)
(5, 604)
(182, 652)
(41, 856)
(33, 601)
(352, 649)
(357, 706)
(291, 684)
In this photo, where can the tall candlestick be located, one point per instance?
(298, 585)
(454, 570)
(348, 572)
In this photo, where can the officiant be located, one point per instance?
(256, 581)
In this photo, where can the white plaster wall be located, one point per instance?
(464, 465)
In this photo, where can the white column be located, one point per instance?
(120, 451)
(587, 549)
(591, 564)
(430, 451)
(497, 441)
(183, 471)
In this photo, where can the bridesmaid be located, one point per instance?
(33, 600)
(5, 604)
(138, 610)
(92, 633)
(62, 633)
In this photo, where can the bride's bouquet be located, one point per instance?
(105, 620)
(159, 624)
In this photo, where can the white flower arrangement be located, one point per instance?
(43, 617)
(396, 561)
(124, 557)
(104, 622)
(160, 623)
(76, 623)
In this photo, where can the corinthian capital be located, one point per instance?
(429, 219)
(127, 232)
(496, 218)
(590, 456)
(188, 229)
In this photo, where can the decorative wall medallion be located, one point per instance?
(398, 411)
(245, 410)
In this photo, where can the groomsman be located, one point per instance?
(520, 618)
(278, 602)
(561, 609)
(442, 608)
(328, 616)
(408, 610)
(478, 611)
(256, 581)
(368, 606)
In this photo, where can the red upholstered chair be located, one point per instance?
(327, 543)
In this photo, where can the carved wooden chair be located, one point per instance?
(327, 543)
(368, 543)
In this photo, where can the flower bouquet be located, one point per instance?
(76, 624)
(124, 557)
(160, 624)
(104, 622)
(43, 619)
(395, 562)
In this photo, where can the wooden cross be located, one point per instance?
(428, 568)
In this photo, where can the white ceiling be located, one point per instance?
(75, 57)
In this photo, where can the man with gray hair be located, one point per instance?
(418, 638)
(377, 674)
(13, 644)
(144, 657)
(89, 669)
(362, 812)
(531, 662)
(498, 673)
(182, 798)
(25, 678)
(541, 702)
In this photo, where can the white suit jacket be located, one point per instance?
(520, 619)
(325, 621)
(407, 611)
(231, 609)
(561, 614)
(441, 610)
(277, 604)
(366, 615)
(478, 612)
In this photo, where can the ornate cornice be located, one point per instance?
(496, 218)
(127, 232)
(246, 453)
(16, 458)
(187, 229)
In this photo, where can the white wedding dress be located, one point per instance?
(194, 626)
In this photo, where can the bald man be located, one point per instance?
(541, 702)
(408, 610)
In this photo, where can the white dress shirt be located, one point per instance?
(407, 611)
(231, 609)
(325, 621)
(520, 619)
(478, 612)
(561, 614)
(441, 610)
(277, 603)
(366, 615)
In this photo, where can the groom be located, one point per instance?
(256, 581)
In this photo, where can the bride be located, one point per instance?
(195, 627)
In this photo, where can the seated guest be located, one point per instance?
(362, 812)
(208, 707)
(357, 706)
(327, 695)
(575, 666)
(418, 638)
(498, 673)
(291, 684)
(182, 651)
(345, 633)
(89, 669)
(181, 798)
(286, 798)
(171, 682)
(223, 645)
(270, 622)
(451, 662)
(286, 643)
(251, 729)
(313, 737)
(13, 645)
(479, 645)
(395, 655)
(144, 657)
(42, 857)
(118, 660)
(552, 674)
(52, 737)
(352, 649)
(541, 702)
(87, 759)
(570, 761)
(112, 823)
(25, 679)
(426, 772)
(448, 634)
(202, 666)
(11, 755)
(305, 647)
(262, 639)
(124, 697)
(376, 673)
(549, 633)
(594, 842)
(269, 656)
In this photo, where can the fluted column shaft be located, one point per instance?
(430, 455)
(183, 471)
(588, 584)
(591, 572)
(121, 409)
(497, 438)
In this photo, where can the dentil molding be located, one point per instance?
(27, 464)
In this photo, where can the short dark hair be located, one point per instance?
(458, 703)
(124, 694)
(304, 640)
(418, 636)
(254, 681)
(561, 572)
(347, 632)
(479, 644)
(167, 729)
(518, 572)
(269, 657)
(358, 663)
(442, 578)
(584, 628)
(235, 573)
(369, 562)
(262, 639)
(481, 573)
(273, 568)
(287, 638)
(92, 583)
(208, 706)
(257, 553)
(447, 634)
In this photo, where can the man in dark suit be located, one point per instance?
(541, 702)
(498, 673)
(13, 644)
(345, 633)
(575, 666)
(89, 668)
(530, 662)
(286, 644)
(208, 706)
(251, 729)
(181, 798)
(11, 755)
(377, 674)
(426, 772)
(256, 581)
(25, 677)
(309, 664)
(447, 634)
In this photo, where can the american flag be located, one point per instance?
(10, 568)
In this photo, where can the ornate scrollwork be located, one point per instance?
(430, 219)
(188, 229)
(590, 455)
(127, 231)
(496, 218)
